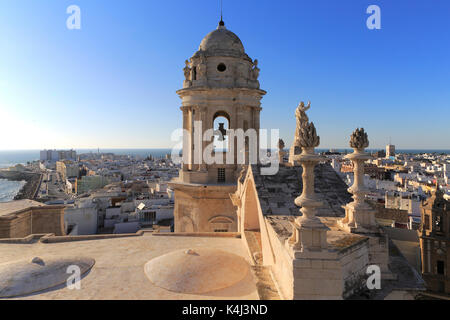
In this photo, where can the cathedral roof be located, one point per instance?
(277, 193)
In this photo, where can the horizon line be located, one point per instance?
(170, 148)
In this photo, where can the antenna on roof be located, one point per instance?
(221, 23)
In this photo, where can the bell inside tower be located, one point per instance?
(221, 125)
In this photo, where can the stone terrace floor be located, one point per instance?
(118, 272)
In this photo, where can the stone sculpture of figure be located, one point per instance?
(187, 71)
(300, 114)
(359, 139)
(281, 144)
(255, 70)
(305, 133)
(201, 68)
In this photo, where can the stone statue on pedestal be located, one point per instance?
(201, 68)
(307, 227)
(255, 70)
(305, 133)
(187, 71)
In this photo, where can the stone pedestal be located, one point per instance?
(281, 155)
(187, 83)
(359, 216)
(310, 234)
(294, 151)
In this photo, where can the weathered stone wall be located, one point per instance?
(48, 220)
(325, 275)
(354, 266)
(17, 226)
(333, 276)
(318, 279)
(204, 209)
(35, 220)
(21, 226)
(282, 269)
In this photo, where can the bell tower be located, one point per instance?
(220, 95)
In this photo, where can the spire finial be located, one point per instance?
(221, 23)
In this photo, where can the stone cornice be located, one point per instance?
(212, 91)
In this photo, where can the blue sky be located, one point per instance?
(112, 84)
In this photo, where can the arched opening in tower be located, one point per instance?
(221, 124)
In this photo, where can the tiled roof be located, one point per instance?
(277, 192)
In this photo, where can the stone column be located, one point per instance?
(195, 114)
(309, 233)
(239, 124)
(281, 152)
(204, 115)
(186, 138)
(359, 215)
(257, 112)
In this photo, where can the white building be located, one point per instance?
(82, 218)
(390, 151)
(56, 155)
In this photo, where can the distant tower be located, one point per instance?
(390, 150)
(435, 243)
(221, 83)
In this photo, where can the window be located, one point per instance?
(221, 175)
(439, 224)
(440, 267)
(221, 67)
(149, 216)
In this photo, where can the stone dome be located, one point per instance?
(222, 42)
(196, 271)
(19, 278)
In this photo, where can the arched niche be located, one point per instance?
(221, 123)
(220, 223)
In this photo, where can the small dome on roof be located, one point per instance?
(222, 42)
(24, 277)
(196, 271)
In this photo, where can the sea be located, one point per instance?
(9, 189)
(8, 158)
